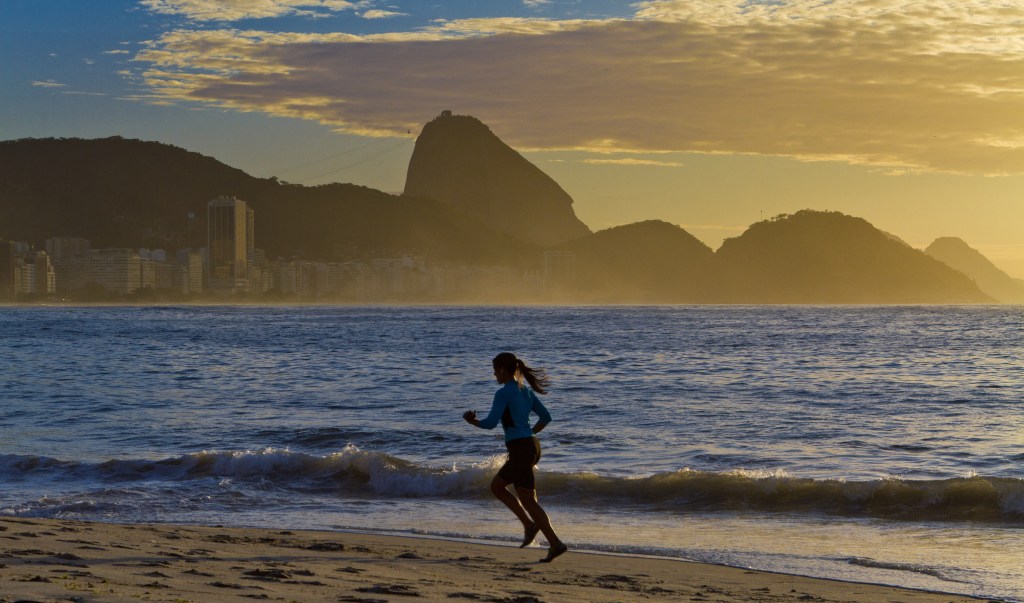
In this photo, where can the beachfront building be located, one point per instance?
(230, 241)
(261, 277)
(46, 277)
(116, 270)
(147, 273)
(189, 279)
(59, 248)
(24, 278)
(31, 273)
(7, 264)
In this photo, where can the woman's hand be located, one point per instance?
(470, 417)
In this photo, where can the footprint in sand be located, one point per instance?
(223, 539)
(68, 556)
(24, 552)
(268, 575)
(390, 589)
(220, 584)
(409, 555)
(331, 547)
(154, 584)
(473, 597)
(196, 572)
(32, 579)
(147, 564)
(75, 574)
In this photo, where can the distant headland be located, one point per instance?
(476, 223)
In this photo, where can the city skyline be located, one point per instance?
(706, 115)
(230, 267)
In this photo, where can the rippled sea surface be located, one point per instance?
(882, 444)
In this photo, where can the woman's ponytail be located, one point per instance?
(537, 378)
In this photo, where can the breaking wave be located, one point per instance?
(353, 472)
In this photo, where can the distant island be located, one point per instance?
(477, 223)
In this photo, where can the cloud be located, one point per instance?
(633, 161)
(53, 84)
(234, 10)
(116, 52)
(381, 14)
(891, 83)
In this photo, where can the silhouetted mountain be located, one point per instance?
(646, 262)
(895, 238)
(459, 161)
(131, 193)
(956, 254)
(828, 257)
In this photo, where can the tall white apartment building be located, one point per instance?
(117, 270)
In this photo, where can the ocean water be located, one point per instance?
(875, 444)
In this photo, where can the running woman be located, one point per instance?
(512, 406)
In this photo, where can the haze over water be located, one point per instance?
(880, 444)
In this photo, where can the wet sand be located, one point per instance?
(56, 560)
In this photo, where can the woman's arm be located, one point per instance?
(542, 413)
(497, 408)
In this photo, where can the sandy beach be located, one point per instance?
(56, 560)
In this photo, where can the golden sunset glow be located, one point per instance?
(707, 114)
(621, 301)
(881, 84)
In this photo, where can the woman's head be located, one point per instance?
(506, 364)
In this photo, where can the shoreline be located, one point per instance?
(65, 560)
(213, 303)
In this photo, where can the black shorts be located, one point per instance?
(523, 454)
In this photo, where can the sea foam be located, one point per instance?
(354, 472)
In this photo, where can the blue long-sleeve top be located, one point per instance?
(512, 406)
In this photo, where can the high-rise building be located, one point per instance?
(116, 270)
(7, 269)
(46, 280)
(230, 241)
(191, 275)
(147, 273)
(25, 278)
(59, 248)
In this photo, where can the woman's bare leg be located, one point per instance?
(528, 500)
(499, 488)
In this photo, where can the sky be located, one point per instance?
(709, 114)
